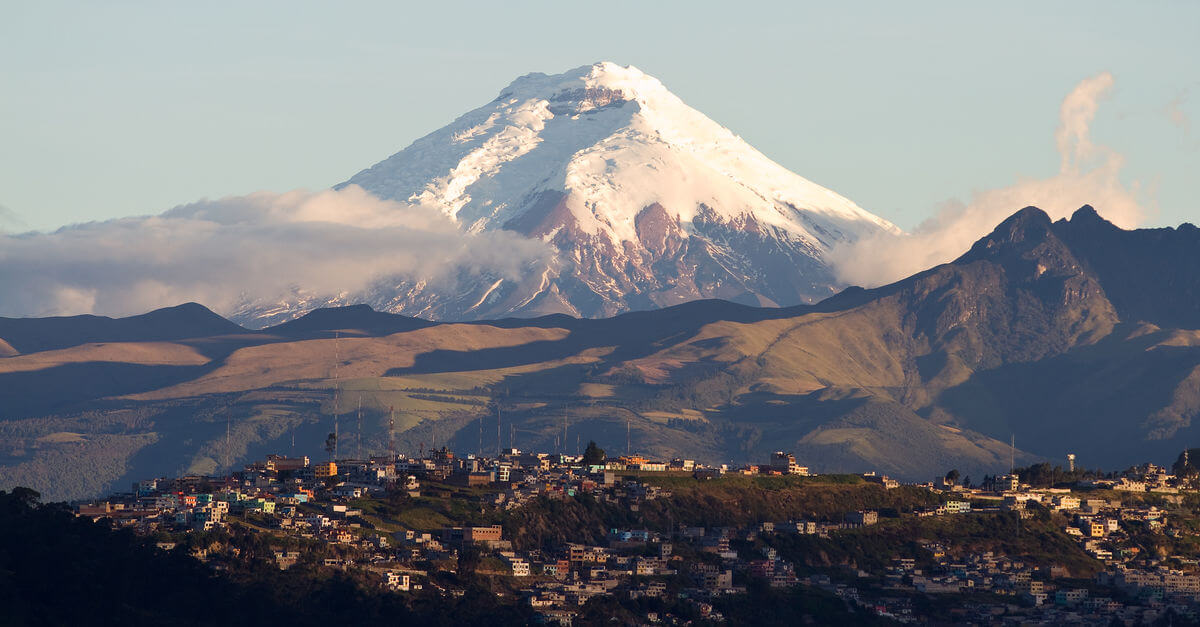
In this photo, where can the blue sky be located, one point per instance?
(117, 108)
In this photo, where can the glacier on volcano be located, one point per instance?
(645, 201)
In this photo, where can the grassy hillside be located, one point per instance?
(1016, 338)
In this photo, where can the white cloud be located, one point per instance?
(263, 246)
(1088, 174)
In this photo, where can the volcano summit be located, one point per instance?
(644, 201)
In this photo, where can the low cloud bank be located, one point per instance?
(1088, 174)
(264, 247)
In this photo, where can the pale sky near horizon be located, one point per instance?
(123, 108)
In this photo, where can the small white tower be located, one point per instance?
(1071, 462)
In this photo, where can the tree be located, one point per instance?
(1187, 463)
(330, 444)
(593, 455)
(952, 476)
(469, 557)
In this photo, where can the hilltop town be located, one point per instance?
(671, 542)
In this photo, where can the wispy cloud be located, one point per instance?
(9, 218)
(1178, 116)
(1088, 174)
(264, 247)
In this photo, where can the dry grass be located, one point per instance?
(272, 364)
(142, 353)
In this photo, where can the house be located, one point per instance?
(471, 479)
(99, 510)
(324, 470)
(520, 567)
(1066, 502)
(1070, 596)
(649, 566)
(460, 535)
(957, 507)
(579, 553)
(806, 527)
(887, 482)
(282, 463)
(286, 560)
(349, 491)
(711, 577)
(862, 518)
(396, 581)
(557, 569)
(1127, 485)
(785, 463)
(685, 465)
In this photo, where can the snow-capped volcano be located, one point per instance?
(646, 202)
(615, 141)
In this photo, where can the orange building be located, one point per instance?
(325, 470)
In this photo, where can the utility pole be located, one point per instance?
(359, 454)
(628, 451)
(498, 442)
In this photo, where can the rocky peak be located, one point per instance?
(1026, 235)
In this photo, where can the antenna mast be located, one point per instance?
(392, 434)
(336, 392)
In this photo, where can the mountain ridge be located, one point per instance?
(1021, 335)
(168, 323)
